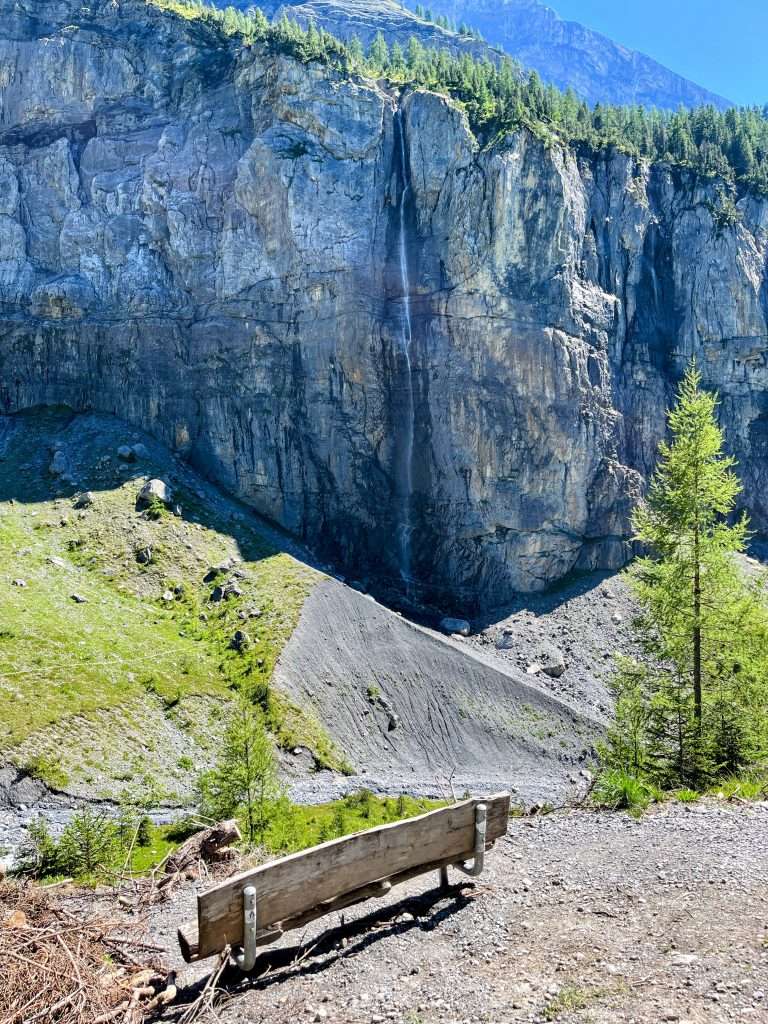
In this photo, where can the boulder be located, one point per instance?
(550, 660)
(460, 626)
(126, 453)
(59, 464)
(240, 640)
(506, 642)
(154, 490)
(224, 591)
(84, 500)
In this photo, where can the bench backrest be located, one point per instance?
(292, 885)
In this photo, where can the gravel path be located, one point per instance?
(580, 917)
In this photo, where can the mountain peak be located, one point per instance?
(568, 53)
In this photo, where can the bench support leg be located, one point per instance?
(444, 878)
(247, 958)
(478, 862)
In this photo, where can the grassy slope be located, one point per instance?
(129, 685)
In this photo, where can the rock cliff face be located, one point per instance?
(563, 52)
(427, 361)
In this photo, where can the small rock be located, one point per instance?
(84, 500)
(506, 641)
(78, 598)
(154, 490)
(140, 451)
(59, 464)
(617, 619)
(144, 556)
(240, 640)
(58, 562)
(225, 591)
(126, 453)
(551, 660)
(450, 625)
(19, 583)
(684, 960)
(168, 595)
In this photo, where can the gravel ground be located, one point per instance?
(579, 917)
(588, 620)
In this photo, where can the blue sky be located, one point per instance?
(720, 44)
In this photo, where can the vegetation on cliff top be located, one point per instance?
(501, 98)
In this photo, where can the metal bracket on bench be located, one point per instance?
(478, 862)
(247, 959)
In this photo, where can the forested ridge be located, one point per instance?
(501, 98)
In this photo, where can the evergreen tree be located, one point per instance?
(397, 61)
(700, 706)
(498, 98)
(378, 54)
(356, 51)
(244, 782)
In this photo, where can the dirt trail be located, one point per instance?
(580, 917)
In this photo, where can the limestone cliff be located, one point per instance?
(565, 53)
(426, 360)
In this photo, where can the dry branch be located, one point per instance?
(61, 970)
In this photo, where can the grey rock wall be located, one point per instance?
(206, 243)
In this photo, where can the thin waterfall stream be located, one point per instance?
(405, 475)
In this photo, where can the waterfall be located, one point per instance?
(405, 462)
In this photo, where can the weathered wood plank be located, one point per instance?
(301, 883)
(188, 935)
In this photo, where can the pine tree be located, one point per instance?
(378, 54)
(397, 60)
(356, 51)
(703, 626)
(244, 782)
(415, 55)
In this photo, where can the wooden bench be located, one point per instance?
(255, 907)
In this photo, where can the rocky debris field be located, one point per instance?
(579, 917)
(566, 639)
(427, 714)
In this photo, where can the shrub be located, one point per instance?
(155, 509)
(48, 770)
(339, 824)
(88, 844)
(37, 856)
(144, 831)
(618, 790)
(686, 796)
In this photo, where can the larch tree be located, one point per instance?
(702, 701)
(244, 782)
